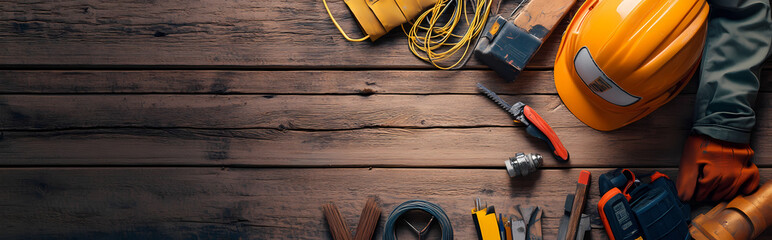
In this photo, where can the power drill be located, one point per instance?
(636, 209)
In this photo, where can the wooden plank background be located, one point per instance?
(178, 33)
(238, 119)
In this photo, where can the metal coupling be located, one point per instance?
(523, 164)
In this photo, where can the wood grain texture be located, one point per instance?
(325, 130)
(474, 147)
(163, 203)
(241, 33)
(308, 112)
(271, 82)
(284, 82)
(124, 152)
(23, 112)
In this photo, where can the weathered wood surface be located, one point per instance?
(474, 147)
(242, 33)
(177, 33)
(238, 119)
(448, 130)
(22, 112)
(423, 82)
(231, 203)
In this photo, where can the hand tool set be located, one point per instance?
(618, 61)
(630, 208)
(525, 224)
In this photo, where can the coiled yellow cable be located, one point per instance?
(438, 41)
(433, 43)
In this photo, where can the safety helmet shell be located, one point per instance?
(619, 60)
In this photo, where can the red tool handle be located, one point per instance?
(545, 128)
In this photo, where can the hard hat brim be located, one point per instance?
(579, 102)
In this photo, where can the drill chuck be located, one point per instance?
(523, 164)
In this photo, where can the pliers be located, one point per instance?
(535, 125)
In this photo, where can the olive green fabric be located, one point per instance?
(738, 41)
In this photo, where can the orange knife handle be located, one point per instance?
(545, 128)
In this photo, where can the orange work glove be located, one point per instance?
(715, 170)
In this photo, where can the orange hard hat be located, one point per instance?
(619, 60)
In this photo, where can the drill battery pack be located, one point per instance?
(642, 210)
(507, 45)
(506, 48)
(618, 218)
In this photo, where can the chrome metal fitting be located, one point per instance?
(523, 164)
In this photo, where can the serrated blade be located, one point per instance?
(492, 95)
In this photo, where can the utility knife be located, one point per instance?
(535, 125)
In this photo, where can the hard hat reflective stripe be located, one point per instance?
(598, 82)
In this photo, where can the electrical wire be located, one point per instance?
(439, 41)
(431, 208)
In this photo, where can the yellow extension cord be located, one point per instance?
(439, 47)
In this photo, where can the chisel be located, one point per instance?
(580, 197)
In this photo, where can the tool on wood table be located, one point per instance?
(527, 224)
(518, 229)
(486, 222)
(435, 210)
(574, 225)
(507, 232)
(641, 208)
(508, 44)
(535, 125)
(614, 206)
(523, 164)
